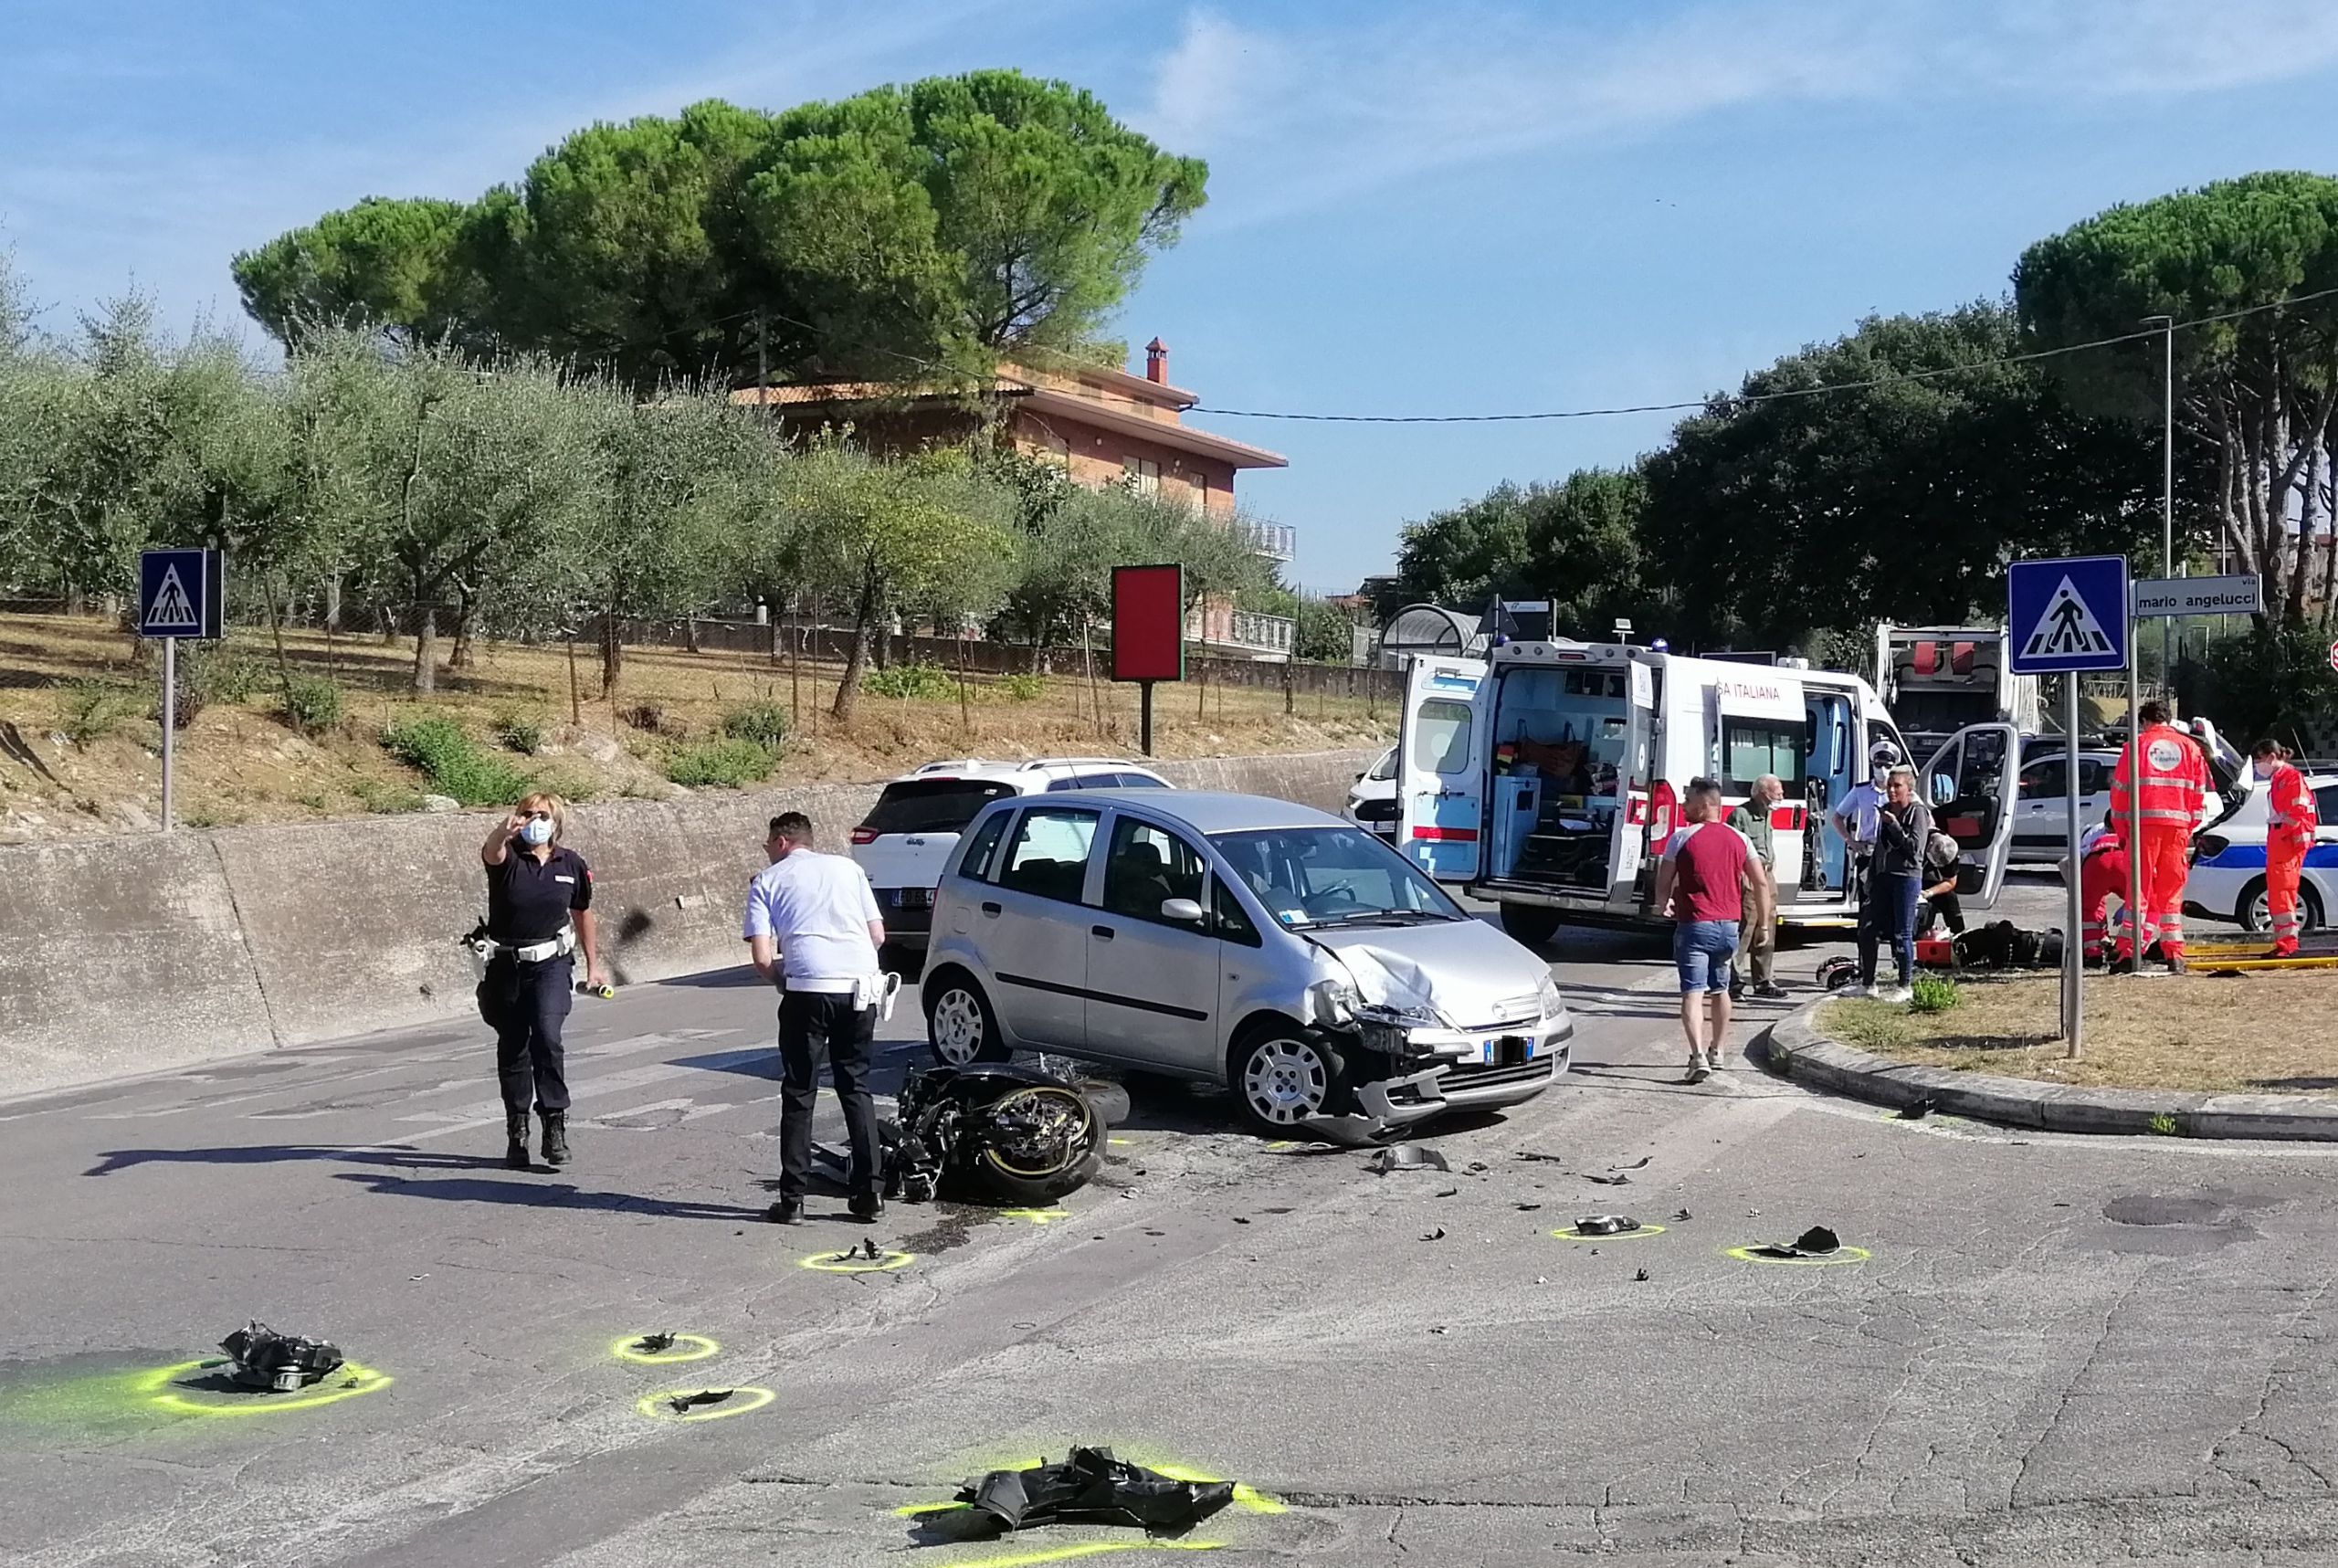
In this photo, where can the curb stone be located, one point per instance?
(1793, 1048)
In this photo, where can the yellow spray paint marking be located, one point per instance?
(1571, 1233)
(1840, 1255)
(1122, 1141)
(1085, 1549)
(686, 1347)
(1037, 1216)
(857, 1263)
(348, 1381)
(660, 1406)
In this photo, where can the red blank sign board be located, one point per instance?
(1148, 622)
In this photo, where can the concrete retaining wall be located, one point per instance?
(127, 955)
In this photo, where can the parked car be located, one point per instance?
(1372, 801)
(2041, 807)
(907, 836)
(1235, 940)
(2227, 877)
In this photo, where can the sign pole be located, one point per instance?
(2134, 911)
(2074, 950)
(1144, 717)
(170, 718)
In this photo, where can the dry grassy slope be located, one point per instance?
(239, 762)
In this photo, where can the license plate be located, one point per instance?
(1520, 1049)
(913, 898)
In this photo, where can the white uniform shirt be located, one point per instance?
(1862, 805)
(818, 909)
(2090, 838)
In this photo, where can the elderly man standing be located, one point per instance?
(1753, 819)
(813, 930)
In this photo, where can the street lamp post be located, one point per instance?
(2166, 324)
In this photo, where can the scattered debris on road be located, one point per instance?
(1640, 1276)
(260, 1358)
(1639, 1164)
(1091, 1487)
(1437, 1235)
(650, 1345)
(1681, 1215)
(1605, 1225)
(1916, 1110)
(682, 1402)
(1618, 1179)
(1405, 1157)
(1816, 1242)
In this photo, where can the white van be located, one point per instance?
(1548, 778)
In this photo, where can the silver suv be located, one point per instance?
(907, 836)
(1239, 941)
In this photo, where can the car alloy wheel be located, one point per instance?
(957, 1026)
(1285, 1081)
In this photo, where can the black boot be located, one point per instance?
(556, 1138)
(515, 1141)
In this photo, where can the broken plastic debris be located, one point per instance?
(650, 1345)
(1529, 1208)
(682, 1402)
(1437, 1235)
(1091, 1487)
(1640, 1278)
(1614, 1180)
(1917, 1110)
(1816, 1242)
(867, 1252)
(1638, 1164)
(1605, 1225)
(258, 1357)
(1449, 1192)
(1405, 1157)
(1679, 1216)
(1538, 1155)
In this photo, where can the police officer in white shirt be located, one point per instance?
(1855, 820)
(813, 930)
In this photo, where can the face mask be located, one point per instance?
(537, 831)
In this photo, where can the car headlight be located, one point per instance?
(1331, 1002)
(1552, 1002)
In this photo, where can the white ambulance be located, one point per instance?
(1548, 777)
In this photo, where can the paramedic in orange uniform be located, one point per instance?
(2102, 877)
(2290, 822)
(2168, 788)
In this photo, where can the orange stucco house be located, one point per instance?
(1104, 425)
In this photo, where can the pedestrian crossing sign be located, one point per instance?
(2066, 616)
(181, 593)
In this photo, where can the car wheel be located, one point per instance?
(1282, 1076)
(1532, 924)
(959, 1025)
(2255, 912)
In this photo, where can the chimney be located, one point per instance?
(1156, 362)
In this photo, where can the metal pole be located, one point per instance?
(1144, 717)
(170, 720)
(2073, 965)
(2134, 912)
(2167, 494)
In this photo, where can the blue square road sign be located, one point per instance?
(181, 593)
(2068, 615)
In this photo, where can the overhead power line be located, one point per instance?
(1894, 378)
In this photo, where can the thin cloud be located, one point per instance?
(1298, 119)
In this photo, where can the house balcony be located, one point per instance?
(1258, 634)
(1278, 542)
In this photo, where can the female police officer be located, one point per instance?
(534, 886)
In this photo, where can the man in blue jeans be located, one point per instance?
(1710, 874)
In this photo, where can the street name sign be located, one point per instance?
(2066, 616)
(2239, 595)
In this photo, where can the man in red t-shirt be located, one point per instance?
(1710, 875)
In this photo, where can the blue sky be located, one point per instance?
(1414, 208)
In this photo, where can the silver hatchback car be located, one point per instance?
(1236, 939)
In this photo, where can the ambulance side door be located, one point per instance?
(1972, 783)
(1442, 762)
(1634, 775)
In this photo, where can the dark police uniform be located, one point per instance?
(529, 901)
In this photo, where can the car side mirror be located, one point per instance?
(1183, 910)
(1944, 789)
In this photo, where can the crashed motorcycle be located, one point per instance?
(993, 1133)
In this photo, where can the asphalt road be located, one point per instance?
(2058, 1349)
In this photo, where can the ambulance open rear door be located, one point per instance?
(1971, 782)
(1441, 765)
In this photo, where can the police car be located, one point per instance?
(2228, 877)
(907, 836)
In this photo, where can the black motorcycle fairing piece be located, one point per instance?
(1091, 1487)
(999, 1131)
(261, 1358)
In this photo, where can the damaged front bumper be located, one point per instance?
(1400, 1075)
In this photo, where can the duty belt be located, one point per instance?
(558, 946)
